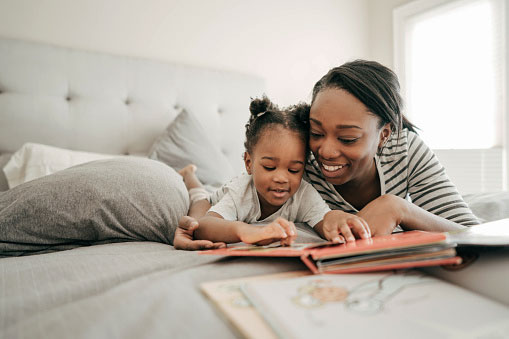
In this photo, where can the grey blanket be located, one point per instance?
(98, 202)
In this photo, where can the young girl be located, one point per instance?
(272, 191)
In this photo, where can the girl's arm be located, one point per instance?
(214, 228)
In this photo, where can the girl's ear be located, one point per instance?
(385, 133)
(247, 162)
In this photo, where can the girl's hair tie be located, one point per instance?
(260, 114)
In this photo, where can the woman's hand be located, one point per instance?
(384, 213)
(279, 230)
(184, 240)
(338, 226)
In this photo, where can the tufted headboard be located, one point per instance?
(112, 104)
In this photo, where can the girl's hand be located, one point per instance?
(384, 213)
(338, 226)
(279, 230)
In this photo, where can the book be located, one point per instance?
(394, 251)
(493, 233)
(227, 296)
(398, 304)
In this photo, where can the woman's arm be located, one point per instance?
(388, 211)
(431, 189)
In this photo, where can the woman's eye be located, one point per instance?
(315, 135)
(348, 141)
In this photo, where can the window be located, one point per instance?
(450, 58)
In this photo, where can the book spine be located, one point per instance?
(306, 259)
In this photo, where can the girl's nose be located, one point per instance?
(281, 176)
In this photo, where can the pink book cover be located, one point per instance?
(309, 253)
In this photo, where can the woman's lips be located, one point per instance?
(332, 170)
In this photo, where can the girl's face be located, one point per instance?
(277, 165)
(344, 137)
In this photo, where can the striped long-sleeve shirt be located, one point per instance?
(408, 169)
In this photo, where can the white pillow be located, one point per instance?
(33, 161)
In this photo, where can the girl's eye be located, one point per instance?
(293, 171)
(269, 168)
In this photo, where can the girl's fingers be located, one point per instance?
(275, 231)
(289, 229)
(288, 226)
(188, 223)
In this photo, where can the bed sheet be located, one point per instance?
(122, 290)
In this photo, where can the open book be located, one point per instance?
(394, 251)
(403, 304)
(399, 250)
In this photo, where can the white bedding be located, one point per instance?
(33, 161)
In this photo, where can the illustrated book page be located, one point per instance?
(229, 299)
(402, 304)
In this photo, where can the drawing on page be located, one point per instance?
(367, 298)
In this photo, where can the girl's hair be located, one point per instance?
(265, 114)
(375, 85)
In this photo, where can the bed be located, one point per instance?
(125, 110)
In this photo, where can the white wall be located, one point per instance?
(290, 43)
(380, 29)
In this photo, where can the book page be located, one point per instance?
(403, 304)
(229, 299)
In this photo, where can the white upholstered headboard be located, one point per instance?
(112, 104)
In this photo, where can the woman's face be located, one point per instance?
(344, 137)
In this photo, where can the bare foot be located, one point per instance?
(189, 169)
(188, 173)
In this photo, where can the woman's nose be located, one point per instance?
(328, 150)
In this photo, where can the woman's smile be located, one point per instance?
(332, 171)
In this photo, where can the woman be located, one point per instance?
(367, 159)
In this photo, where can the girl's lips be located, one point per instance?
(279, 193)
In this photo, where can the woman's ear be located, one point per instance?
(385, 133)
(247, 162)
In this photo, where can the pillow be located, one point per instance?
(33, 161)
(489, 206)
(4, 158)
(185, 142)
(103, 201)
